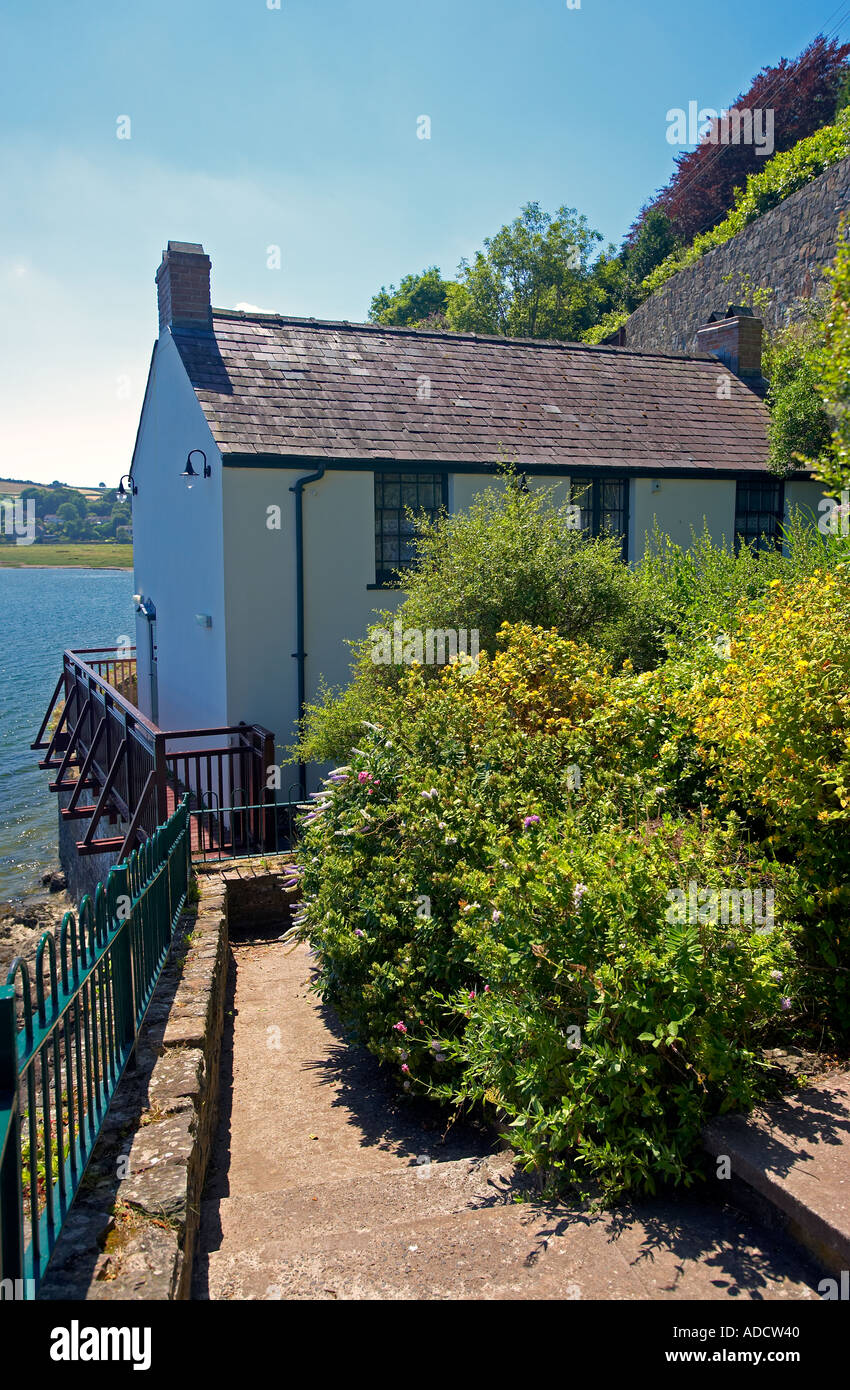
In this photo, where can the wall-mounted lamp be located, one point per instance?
(144, 606)
(203, 619)
(190, 473)
(656, 485)
(125, 492)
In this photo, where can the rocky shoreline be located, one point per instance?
(23, 920)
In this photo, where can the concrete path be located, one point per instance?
(326, 1184)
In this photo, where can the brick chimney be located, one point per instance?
(734, 338)
(183, 286)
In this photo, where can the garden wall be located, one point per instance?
(786, 250)
(132, 1230)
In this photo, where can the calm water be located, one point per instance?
(43, 611)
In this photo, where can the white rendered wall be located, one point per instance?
(806, 496)
(178, 551)
(680, 505)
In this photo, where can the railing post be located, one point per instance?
(268, 796)
(11, 1186)
(160, 768)
(118, 890)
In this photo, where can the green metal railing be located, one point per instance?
(246, 828)
(60, 1067)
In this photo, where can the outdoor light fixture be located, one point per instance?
(125, 492)
(144, 605)
(190, 474)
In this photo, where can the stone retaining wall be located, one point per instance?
(786, 249)
(132, 1229)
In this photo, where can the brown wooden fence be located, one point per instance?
(115, 762)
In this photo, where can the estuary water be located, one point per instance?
(43, 611)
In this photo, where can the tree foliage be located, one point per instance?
(833, 373)
(803, 94)
(419, 301)
(532, 280)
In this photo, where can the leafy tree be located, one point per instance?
(803, 96)
(651, 240)
(532, 280)
(799, 425)
(833, 373)
(419, 299)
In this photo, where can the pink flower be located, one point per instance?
(405, 1067)
(364, 777)
(472, 994)
(400, 1027)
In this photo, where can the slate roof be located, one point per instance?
(307, 388)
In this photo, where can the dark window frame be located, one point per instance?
(768, 503)
(389, 577)
(596, 483)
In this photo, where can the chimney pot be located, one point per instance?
(735, 340)
(183, 286)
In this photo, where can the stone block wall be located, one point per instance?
(786, 249)
(132, 1230)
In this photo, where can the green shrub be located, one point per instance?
(697, 592)
(513, 556)
(470, 903)
(833, 465)
(798, 428)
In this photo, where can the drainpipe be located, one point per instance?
(299, 654)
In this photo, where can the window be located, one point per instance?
(604, 504)
(394, 530)
(759, 506)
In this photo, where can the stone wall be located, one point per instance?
(84, 872)
(132, 1230)
(786, 250)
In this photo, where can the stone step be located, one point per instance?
(790, 1163)
(453, 1230)
(358, 1201)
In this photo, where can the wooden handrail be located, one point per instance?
(132, 765)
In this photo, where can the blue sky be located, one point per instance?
(253, 126)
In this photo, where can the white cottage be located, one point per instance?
(275, 457)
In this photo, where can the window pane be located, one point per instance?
(612, 496)
(395, 532)
(758, 505)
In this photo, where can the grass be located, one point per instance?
(94, 556)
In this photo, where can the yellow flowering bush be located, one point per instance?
(773, 722)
